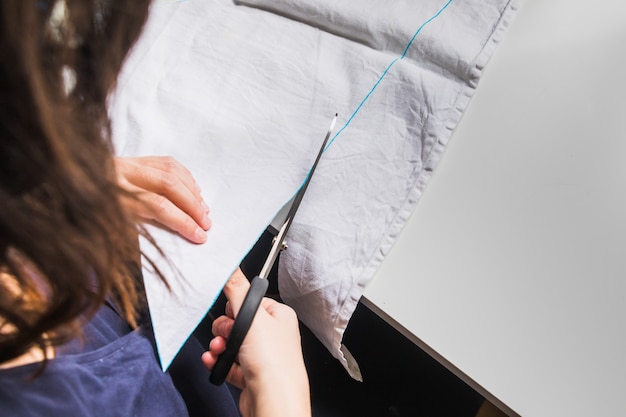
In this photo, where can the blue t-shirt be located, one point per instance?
(112, 372)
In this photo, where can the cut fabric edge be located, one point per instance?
(167, 348)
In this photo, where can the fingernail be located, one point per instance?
(206, 222)
(200, 235)
(205, 207)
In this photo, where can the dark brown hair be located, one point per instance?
(66, 243)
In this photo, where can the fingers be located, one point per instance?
(171, 165)
(222, 326)
(209, 358)
(169, 192)
(221, 329)
(217, 345)
(165, 212)
(235, 290)
(167, 177)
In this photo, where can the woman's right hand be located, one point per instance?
(270, 368)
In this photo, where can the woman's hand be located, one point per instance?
(270, 368)
(168, 194)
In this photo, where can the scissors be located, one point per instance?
(258, 286)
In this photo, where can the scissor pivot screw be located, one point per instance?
(283, 244)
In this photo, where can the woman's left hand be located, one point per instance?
(167, 194)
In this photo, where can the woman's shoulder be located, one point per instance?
(113, 371)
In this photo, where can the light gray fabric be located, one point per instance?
(243, 97)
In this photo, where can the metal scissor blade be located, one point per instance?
(290, 208)
(279, 220)
(298, 197)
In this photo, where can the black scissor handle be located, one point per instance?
(243, 321)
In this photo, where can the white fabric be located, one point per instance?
(243, 97)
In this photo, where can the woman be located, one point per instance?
(73, 340)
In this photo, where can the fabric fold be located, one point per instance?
(243, 96)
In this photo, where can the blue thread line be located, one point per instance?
(406, 50)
